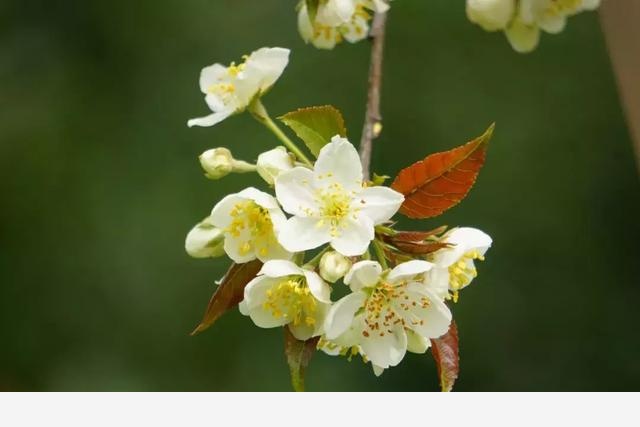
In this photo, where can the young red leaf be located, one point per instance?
(229, 293)
(445, 353)
(419, 248)
(299, 355)
(417, 236)
(442, 180)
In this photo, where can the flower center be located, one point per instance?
(382, 306)
(335, 205)
(462, 272)
(292, 300)
(250, 216)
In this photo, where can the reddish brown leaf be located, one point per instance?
(229, 293)
(299, 355)
(442, 180)
(417, 236)
(445, 353)
(419, 248)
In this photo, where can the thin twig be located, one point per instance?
(373, 118)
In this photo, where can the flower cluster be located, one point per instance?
(322, 223)
(326, 23)
(522, 20)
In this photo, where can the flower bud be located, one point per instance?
(272, 163)
(491, 15)
(205, 241)
(334, 266)
(217, 162)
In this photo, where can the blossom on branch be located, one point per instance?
(387, 313)
(523, 20)
(250, 220)
(285, 294)
(454, 266)
(337, 20)
(331, 203)
(230, 89)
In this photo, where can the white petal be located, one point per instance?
(280, 268)
(417, 343)
(387, 350)
(211, 75)
(379, 203)
(523, 38)
(255, 293)
(204, 240)
(341, 315)
(300, 234)
(319, 289)
(553, 24)
(301, 331)
(363, 274)
(221, 213)
(295, 192)
(357, 29)
(432, 321)
(261, 198)
(265, 319)
(438, 282)
(269, 63)
(211, 119)
(304, 24)
(338, 162)
(335, 12)
(232, 247)
(377, 370)
(354, 236)
(408, 270)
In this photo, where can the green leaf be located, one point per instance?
(316, 125)
(229, 293)
(312, 9)
(299, 355)
(445, 352)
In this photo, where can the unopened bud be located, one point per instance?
(333, 266)
(491, 15)
(205, 241)
(219, 162)
(272, 163)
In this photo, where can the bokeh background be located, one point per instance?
(100, 183)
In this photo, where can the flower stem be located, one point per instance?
(313, 262)
(260, 114)
(382, 259)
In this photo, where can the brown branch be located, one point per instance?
(373, 118)
(620, 25)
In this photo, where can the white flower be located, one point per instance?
(250, 220)
(285, 294)
(205, 240)
(231, 89)
(331, 205)
(491, 15)
(387, 313)
(338, 20)
(546, 15)
(523, 20)
(333, 266)
(273, 162)
(454, 266)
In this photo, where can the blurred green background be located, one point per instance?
(100, 183)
